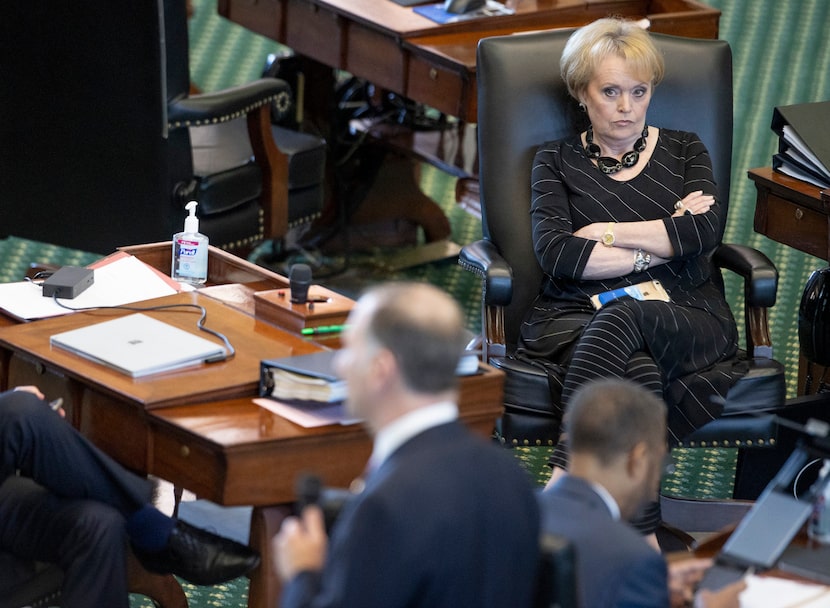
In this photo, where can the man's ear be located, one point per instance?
(638, 461)
(384, 368)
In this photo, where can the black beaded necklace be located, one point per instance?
(609, 165)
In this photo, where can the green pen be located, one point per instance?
(322, 329)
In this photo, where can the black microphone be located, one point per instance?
(299, 279)
(308, 489)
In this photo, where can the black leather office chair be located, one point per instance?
(37, 585)
(522, 102)
(95, 148)
(27, 583)
(248, 189)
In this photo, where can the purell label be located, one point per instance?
(188, 248)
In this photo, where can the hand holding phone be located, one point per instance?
(648, 290)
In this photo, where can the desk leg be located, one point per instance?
(264, 590)
(394, 206)
(392, 210)
(818, 376)
(397, 194)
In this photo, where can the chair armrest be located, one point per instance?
(226, 104)
(760, 289)
(759, 273)
(254, 101)
(482, 257)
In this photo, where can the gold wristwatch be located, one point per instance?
(608, 237)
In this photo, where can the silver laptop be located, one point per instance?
(138, 345)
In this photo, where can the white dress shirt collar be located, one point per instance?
(609, 501)
(394, 435)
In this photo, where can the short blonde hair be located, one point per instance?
(590, 45)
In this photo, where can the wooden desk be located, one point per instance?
(235, 453)
(398, 50)
(198, 427)
(796, 214)
(792, 212)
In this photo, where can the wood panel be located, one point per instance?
(791, 212)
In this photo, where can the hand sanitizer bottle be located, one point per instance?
(190, 251)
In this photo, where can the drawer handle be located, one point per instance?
(799, 214)
(184, 451)
(433, 74)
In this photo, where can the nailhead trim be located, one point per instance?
(738, 443)
(227, 117)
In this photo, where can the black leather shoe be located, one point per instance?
(200, 557)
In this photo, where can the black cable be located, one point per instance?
(231, 351)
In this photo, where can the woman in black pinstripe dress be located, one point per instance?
(623, 203)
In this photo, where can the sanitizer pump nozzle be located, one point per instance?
(191, 222)
(190, 251)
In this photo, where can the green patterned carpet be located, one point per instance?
(781, 56)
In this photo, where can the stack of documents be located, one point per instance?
(303, 378)
(304, 389)
(803, 142)
(119, 279)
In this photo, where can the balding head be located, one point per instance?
(422, 327)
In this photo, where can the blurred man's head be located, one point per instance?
(401, 349)
(617, 437)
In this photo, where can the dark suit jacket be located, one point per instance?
(615, 566)
(447, 521)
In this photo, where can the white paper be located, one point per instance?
(308, 417)
(123, 281)
(774, 592)
(792, 138)
(799, 174)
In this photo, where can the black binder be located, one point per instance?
(808, 138)
(318, 366)
(790, 161)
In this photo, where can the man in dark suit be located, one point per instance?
(617, 432)
(64, 501)
(445, 519)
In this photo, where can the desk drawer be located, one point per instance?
(795, 225)
(185, 462)
(117, 427)
(376, 57)
(314, 32)
(261, 16)
(438, 87)
(53, 384)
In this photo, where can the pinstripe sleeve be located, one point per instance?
(692, 235)
(559, 252)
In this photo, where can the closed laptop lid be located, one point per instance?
(138, 345)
